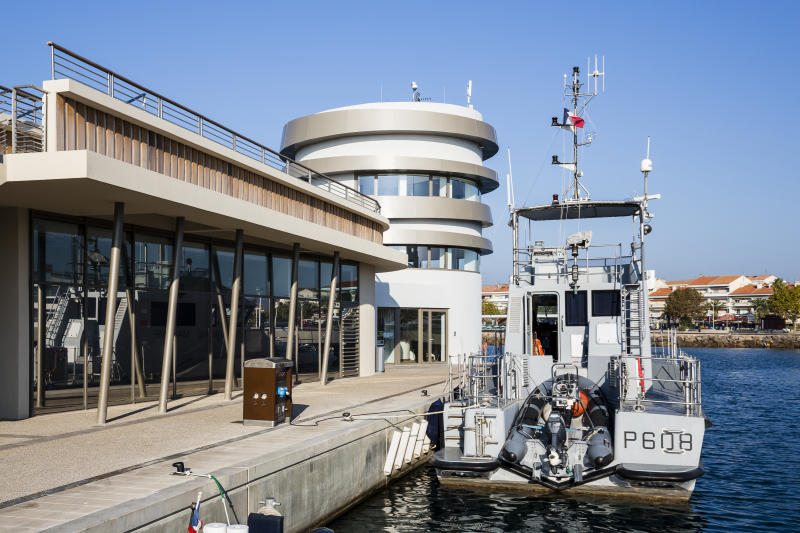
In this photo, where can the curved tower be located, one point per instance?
(424, 162)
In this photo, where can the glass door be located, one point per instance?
(434, 333)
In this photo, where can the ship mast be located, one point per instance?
(572, 121)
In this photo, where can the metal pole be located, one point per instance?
(174, 367)
(137, 364)
(14, 125)
(237, 281)
(111, 308)
(172, 311)
(220, 300)
(85, 351)
(52, 62)
(41, 349)
(323, 377)
(292, 305)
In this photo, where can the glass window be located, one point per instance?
(464, 189)
(98, 257)
(438, 186)
(255, 274)
(417, 185)
(575, 308)
(325, 268)
(408, 342)
(388, 185)
(153, 261)
(438, 257)
(349, 279)
(281, 276)
(223, 266)
(57, 252)
(605, 303)
(366, 184)
(194, 267)
(465, 259)
(308, 279)
(417, 256)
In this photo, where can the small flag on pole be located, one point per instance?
(571, 120)
(195, 524)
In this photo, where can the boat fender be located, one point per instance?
(599, 451)
(435, 432)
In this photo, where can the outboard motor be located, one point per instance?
(556, 428)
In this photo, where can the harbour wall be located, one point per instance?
(732, 339)
(314, 482)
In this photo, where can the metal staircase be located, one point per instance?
(348, 342)
(56, 317)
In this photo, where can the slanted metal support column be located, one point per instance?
(293, 305)
(137, 362)
(111, 309)
(172, 312)
(237, 282)
(323, 378)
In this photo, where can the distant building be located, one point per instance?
(736, 293)
(496, 294)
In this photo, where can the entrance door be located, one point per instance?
(434, 333)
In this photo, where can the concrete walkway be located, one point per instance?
(60, 467)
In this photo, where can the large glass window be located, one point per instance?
(366, 184)
(281, 276)
(438, 186)
(465, 259)
(349, 291)
(255, 274)
(223, 266)
(605, 303)
(57, 252)
(575, 308)
(438, 257)
(153, 261)
(464, 189)
(388, 185)
(417, 185)
(417, 256)
(308, 279)
(98, 257)
(194, 267)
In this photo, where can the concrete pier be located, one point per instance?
(60, 473)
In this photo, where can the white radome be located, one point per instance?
(647, 165)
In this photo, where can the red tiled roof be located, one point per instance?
(752, 290)
(500, 287)
(706, 280)
(663, 291)
(758, 278)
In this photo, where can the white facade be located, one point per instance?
(424, 163)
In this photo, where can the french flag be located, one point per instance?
(572, 120)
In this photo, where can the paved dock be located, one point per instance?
(62, 472)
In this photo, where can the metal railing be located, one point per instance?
(675, 383)
(21, 119)
(65, 63)
(559, 257)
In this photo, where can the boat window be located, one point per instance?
(605, 303)
(545, 322)
(575, 309)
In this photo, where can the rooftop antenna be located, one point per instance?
(647, 168)
(469, 93)
(414, 92)
(510, 184)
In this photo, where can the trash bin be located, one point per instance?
(267, 391)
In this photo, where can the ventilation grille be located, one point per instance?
(515, 314)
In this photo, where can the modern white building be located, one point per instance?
(424, 162)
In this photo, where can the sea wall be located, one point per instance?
(732, 339)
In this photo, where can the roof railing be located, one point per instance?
(21, 119)
(68, 64)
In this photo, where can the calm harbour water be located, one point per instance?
(751, 456)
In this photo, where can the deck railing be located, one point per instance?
(65, 63)
(21, 119)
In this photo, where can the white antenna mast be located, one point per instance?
(469, 93)
(510, 184)
(596, 73)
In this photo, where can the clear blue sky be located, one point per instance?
(713, 83)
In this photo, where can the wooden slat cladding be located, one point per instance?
(81, 127)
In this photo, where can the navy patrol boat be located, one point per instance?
(580, 401)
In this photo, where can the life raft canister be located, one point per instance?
(582, 404)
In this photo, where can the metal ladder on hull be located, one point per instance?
(632, 320)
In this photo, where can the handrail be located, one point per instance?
(180, 115)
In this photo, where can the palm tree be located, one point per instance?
(760, 309)
(715, 307)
